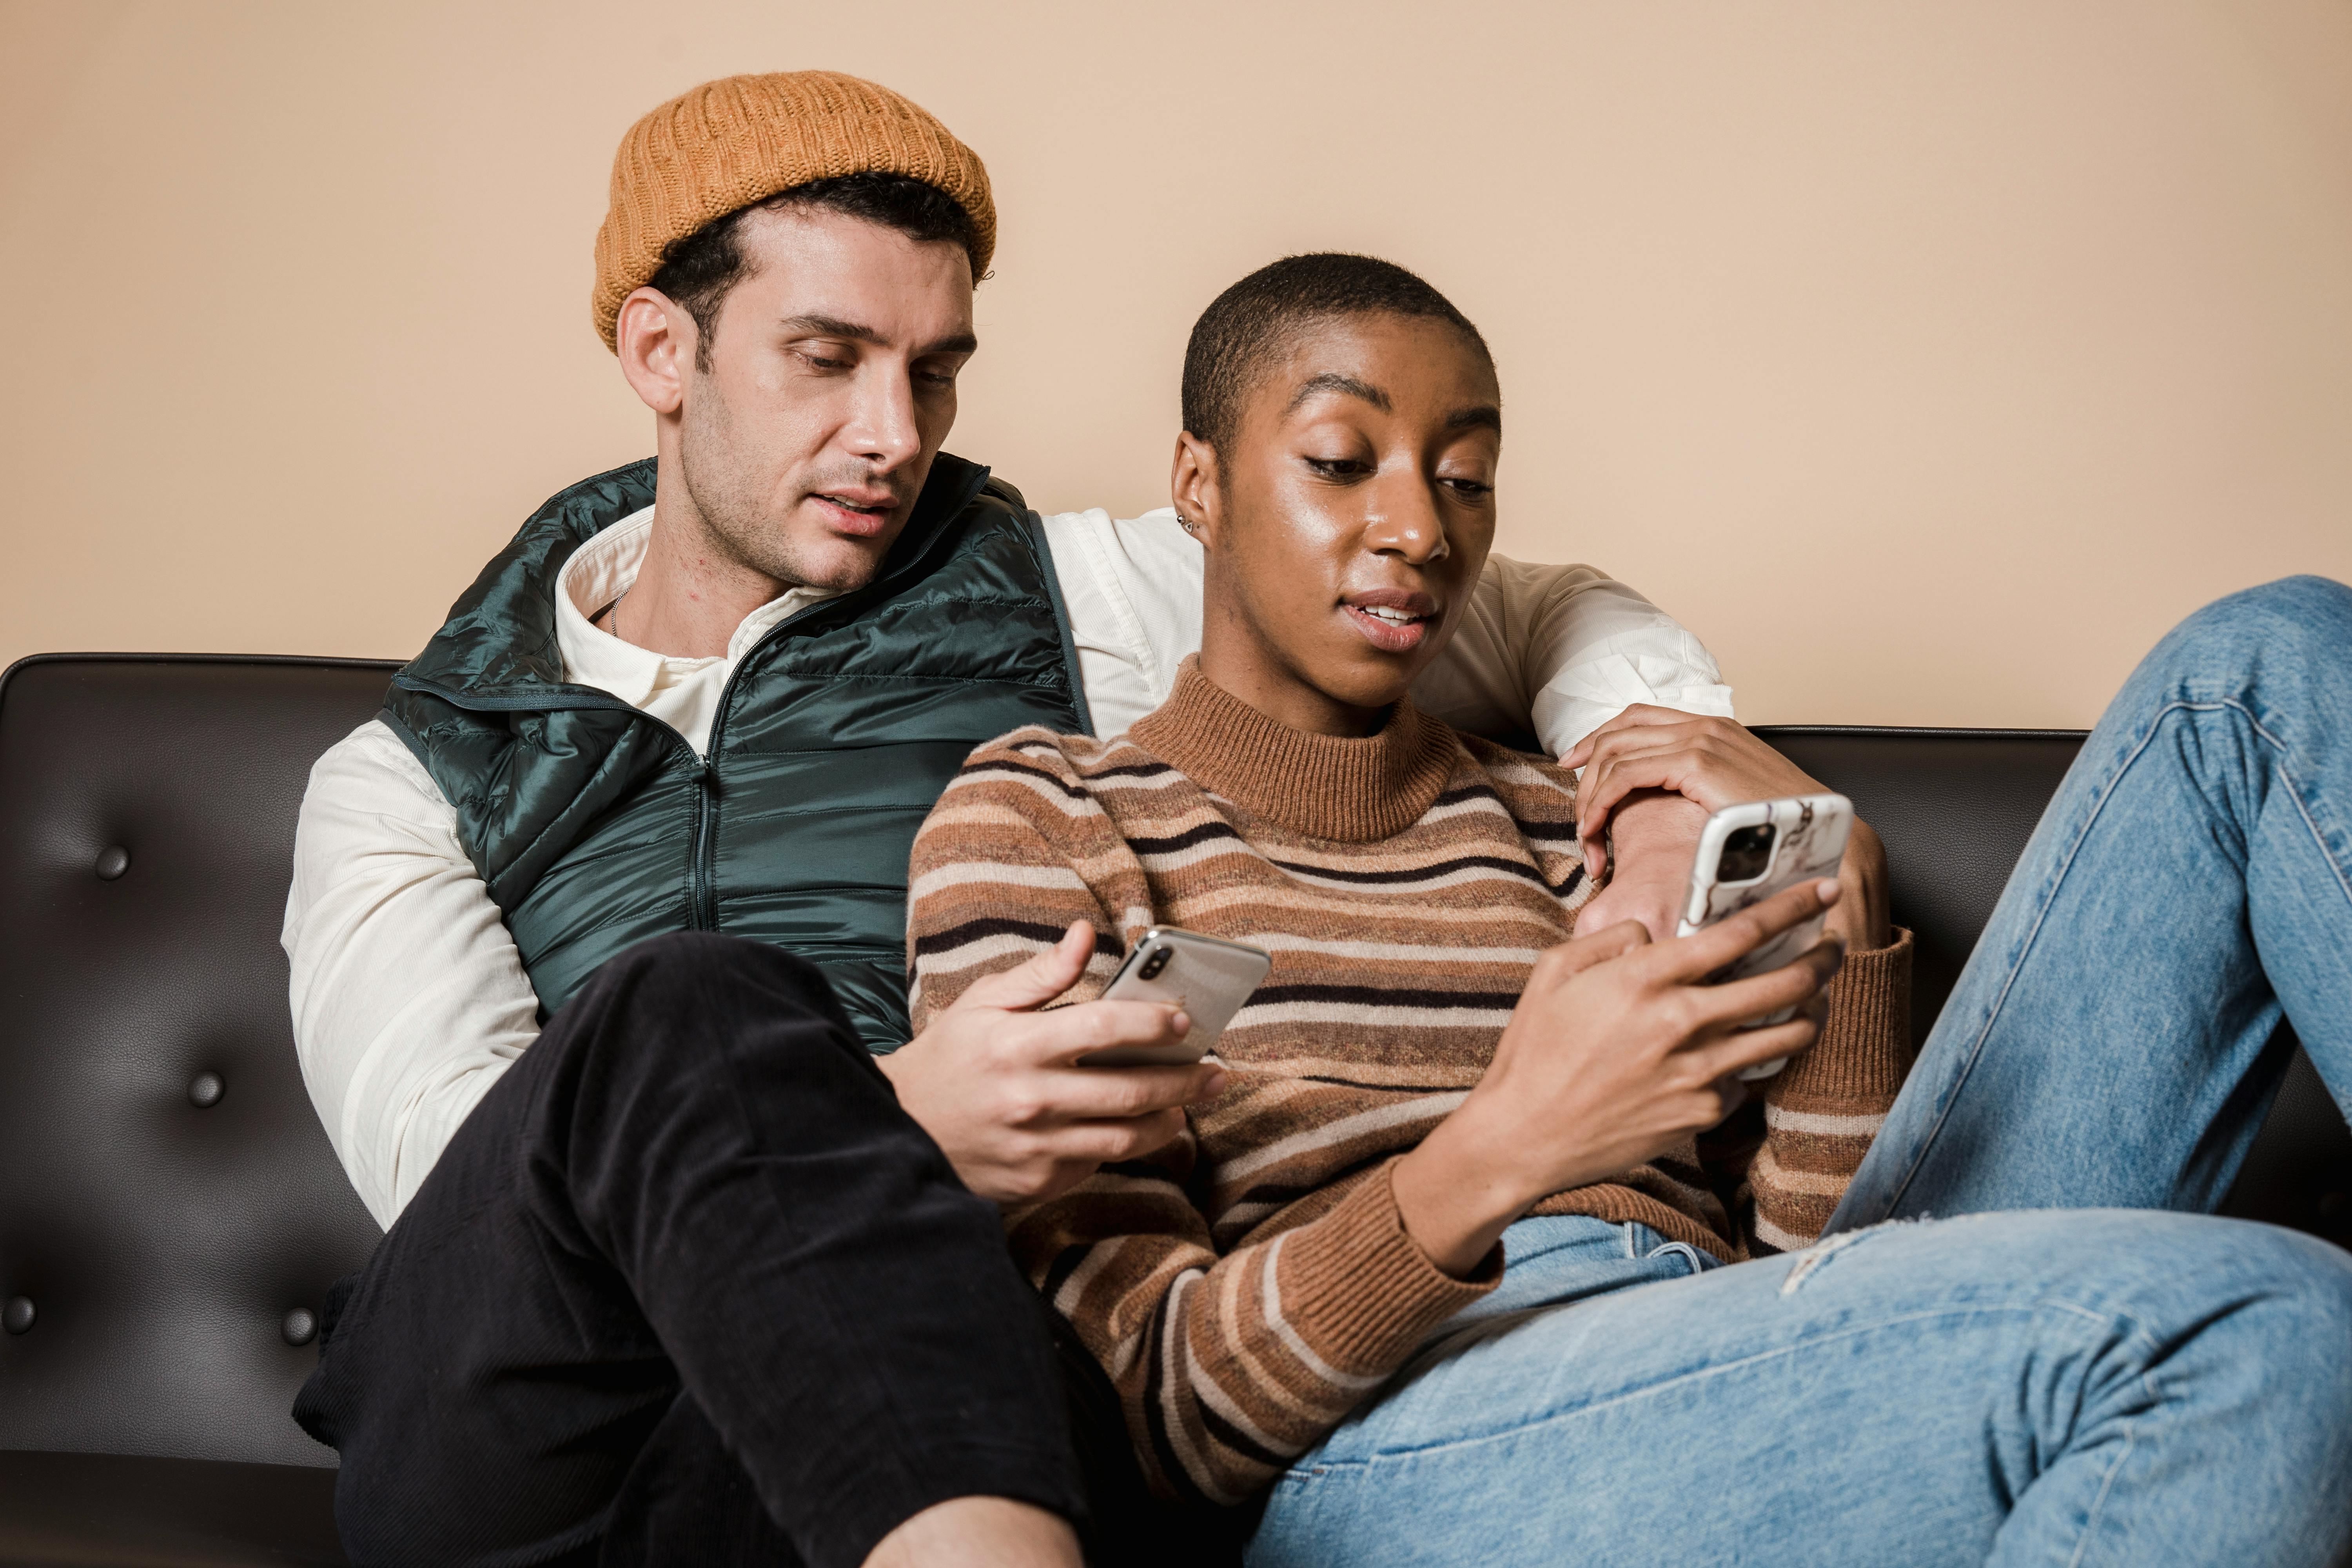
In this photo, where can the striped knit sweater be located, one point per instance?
(1248, 1285)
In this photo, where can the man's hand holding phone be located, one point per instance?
(996, 1082)
(1619, 1049)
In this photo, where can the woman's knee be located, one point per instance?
(2283, 1355)
(2304, 622)
(2309, 1280)
(2283, 1297)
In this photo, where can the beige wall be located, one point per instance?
(1928, 359)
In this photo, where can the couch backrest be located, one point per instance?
(175, 1243)
(168, 1201)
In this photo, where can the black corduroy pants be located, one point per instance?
(687, 1287)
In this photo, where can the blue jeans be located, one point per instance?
(2054, 1370)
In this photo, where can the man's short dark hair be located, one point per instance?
(1254, 321)
(699, 270)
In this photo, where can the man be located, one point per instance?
(673, 1271)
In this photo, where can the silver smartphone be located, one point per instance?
(1207, 976)
(1750, 852)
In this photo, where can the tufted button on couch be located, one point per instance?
(171, 1214)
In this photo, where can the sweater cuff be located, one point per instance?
(1865, 1051)
(1359, 1290)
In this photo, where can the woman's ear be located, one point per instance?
(655, 341)
(1194, 489)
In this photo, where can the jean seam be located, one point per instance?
(2295, 794)
(2126, 1329)
(2106, 1485)
(2145, 1337)
(2303, 808)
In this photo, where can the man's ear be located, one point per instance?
(1200, 501)
(656, 340)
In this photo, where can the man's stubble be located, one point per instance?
(746, 523)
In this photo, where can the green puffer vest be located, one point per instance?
(597, 826)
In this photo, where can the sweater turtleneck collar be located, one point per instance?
(1324, 787)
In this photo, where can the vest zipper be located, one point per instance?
(705, 911)
(706, 810)
(705, 784)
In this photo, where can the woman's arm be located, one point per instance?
(1821, 1113)
(1227, 1365)
(1823, 1110)
(1618, 1050)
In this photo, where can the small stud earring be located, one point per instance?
(1187, 524)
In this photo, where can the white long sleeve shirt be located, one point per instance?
(410, 999)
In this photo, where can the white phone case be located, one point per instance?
(1808, 834)
(1207, 976)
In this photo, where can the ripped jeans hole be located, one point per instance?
(1821, 1252)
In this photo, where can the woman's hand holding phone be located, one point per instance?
(1619, 1049)
(1714, 763)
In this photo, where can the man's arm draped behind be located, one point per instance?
(1549, 651)
(409, 998)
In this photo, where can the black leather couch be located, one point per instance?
(171, 1214)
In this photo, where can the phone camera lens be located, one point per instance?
(1747, 854)
(1155, 963)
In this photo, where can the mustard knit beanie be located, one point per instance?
(742, 139)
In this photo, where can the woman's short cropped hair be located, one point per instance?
(1251, 323)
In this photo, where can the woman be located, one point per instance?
(1393, 1264)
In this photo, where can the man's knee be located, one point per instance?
(692, 984)
(693, 1012)
(688, 969)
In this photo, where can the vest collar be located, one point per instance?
(498, 650)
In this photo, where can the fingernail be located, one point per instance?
(1182, 1024)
